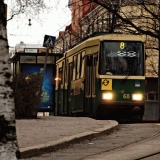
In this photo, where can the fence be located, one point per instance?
(151, 107)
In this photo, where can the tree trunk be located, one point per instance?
(8, 139)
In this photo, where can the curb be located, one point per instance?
(65, 142)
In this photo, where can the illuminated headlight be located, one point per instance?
(137, 97)
(107, 96)
(57, 79)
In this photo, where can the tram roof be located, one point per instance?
(94, 41)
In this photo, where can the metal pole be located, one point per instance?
(45, 63)
(44, 69)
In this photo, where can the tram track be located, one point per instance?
(137, 142)
(154, 154)
(150, 156)
(129, 150)
(114, 145)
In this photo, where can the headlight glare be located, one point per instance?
(107, 96)
(137, 97)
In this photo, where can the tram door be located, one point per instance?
(69, 93)
(90, 84)
(59, 91)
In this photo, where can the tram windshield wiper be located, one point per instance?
(125, 78)
(129, 73)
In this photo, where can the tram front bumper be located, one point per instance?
(121, 107)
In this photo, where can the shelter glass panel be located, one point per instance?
(27, 59)
(41, 59)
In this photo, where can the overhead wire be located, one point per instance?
(67, 22)
(57, 4)
(61, 26)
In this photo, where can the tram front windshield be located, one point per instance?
(121, 58)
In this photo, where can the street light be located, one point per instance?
(29, 22)
(115, 4)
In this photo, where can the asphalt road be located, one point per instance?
(123, 135)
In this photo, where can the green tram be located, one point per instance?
(102, 76)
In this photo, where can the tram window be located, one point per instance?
(57, 75)
(74, 67)
(82, 64)
(78, 66)
(60, 73)
(63, 71)
(66, 72)
(121, 58)
(89, 60)
(88, 80)
(94, 75)
(70, 71)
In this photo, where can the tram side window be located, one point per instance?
(63, 72)
(74, 67)
(57, 76)
(94, 75)
(78, 66)
(70, 72)
(66, 72)
(82, 64)
(88, 74)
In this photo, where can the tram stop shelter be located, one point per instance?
(31, 62)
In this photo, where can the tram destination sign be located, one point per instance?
(49, 41)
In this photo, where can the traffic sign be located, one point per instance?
(49, 41)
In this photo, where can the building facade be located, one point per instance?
(73, 32)
(89, 19)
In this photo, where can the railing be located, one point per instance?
(151, 96)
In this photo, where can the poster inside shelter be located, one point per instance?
(47, 97)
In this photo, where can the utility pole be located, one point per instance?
(49, 44)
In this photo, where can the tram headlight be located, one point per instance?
(57, 79)
(107, 96)
(137, 97)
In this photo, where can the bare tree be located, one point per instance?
(140, 16)
(30, 8)
(8, 139)
(137, 17)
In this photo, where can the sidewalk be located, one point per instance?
(49, 133)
